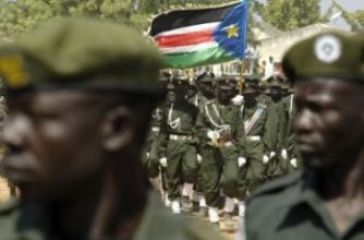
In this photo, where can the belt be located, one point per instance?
(224, 144)
(156, 129)
(255, 138)
(181, 137)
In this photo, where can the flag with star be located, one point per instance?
(195, 37)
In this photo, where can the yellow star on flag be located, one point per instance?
(232, 31)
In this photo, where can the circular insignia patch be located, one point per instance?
(328, 49)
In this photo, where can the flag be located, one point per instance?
(195, 37)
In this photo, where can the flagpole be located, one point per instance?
(242, 79)
(242, 68)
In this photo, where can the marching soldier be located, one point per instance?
(205, 83)
(222, 138)
(289, 152)
(254, 119)
(151, 157)
(276, 120)
(178, 146)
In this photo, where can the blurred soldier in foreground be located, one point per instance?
(325, 201)
(80, 97)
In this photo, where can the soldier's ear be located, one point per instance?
(118, 129)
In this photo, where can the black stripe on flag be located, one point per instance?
(189, 17)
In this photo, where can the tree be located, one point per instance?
(18, 16)
(291, 14)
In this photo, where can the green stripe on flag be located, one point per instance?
(198, 58)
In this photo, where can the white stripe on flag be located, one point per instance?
(191, 48)
(190, 29)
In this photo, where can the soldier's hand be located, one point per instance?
(284, 154)
(241, 161)
(213, 135)
(238, 100)
(294, 162)
(265, 159)
(199, 159)
(272, 154)
(163, 162)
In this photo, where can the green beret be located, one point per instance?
(82, 54)
(326, 55)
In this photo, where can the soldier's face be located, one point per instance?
(53, 143)
(329, 122)
(206, 87)
(225, 94)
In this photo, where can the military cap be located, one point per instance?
(82, 54)
(164, 76)
(205, 77)
(326, 55)
(252, 81)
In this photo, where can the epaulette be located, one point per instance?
(9, 206)
(276, 186)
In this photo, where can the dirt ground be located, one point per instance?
(228, 235)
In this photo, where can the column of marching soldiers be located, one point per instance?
(215, 140)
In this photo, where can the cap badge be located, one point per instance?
(328, 49)
(12, 71)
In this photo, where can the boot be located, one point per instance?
(187, 205)
(241, 209)
(176, 206)
(213, 215)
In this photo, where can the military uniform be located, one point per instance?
(223, 141)
(30, 222)
(178, 145)
(273, 139)
(151, 156)
(200, 100)
(290, 208)
(289, 151)
(254, 119)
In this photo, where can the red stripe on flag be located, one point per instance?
(186, 39)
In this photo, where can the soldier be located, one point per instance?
(79, 111)
(276, 120)
(151, 157)
(288, 147)
(325, 200)
(178, 146)
(254, 119)
(222, 138)
(205, 83)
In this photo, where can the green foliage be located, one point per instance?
(18, 16)
(291, 14)
(356, 20)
